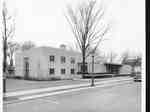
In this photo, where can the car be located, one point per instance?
(137, 78)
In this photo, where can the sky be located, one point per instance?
(44, 23)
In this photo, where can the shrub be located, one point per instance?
(44, 79)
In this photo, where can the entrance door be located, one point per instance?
(26, 68)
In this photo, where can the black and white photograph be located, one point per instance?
(72, 55)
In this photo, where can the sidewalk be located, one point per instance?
(83, 83)
(21, 85)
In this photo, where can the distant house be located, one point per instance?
(135, 63)
(125, 70)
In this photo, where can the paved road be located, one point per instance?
(119, 98)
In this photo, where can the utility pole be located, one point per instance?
(4, 84)
(92, 84)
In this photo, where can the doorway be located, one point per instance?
(26, 67)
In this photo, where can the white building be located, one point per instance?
(46, 62)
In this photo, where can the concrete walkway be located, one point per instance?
(35, 93)
(13, 85)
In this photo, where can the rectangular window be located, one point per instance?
(63, 71)
(52, 58)
(72, 61)
(63, 59)
(72, 71)
(51, 71)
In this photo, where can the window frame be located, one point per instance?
(61, 70)
(72, 60)
(50, 71)
(71, 71)
(63, 59)
(52, 59)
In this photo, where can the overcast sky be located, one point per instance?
(43, 22)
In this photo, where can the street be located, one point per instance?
(118, 98)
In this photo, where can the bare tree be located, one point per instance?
(111, 57)
(84, 21)
(71, 47)
(128, 55)
(96, 52)
(12, 47)
(100, 56)
(125, 56)
(27, 45)
(7, 32)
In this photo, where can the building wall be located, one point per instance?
(19, 64)
(39, 62)
(57, 65)
(34, 58)
(98, 68)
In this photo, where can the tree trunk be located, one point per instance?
(83, 62)
(4, 56)
(4, 64)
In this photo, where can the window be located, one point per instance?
(51, 71)
(72, 61)
(63, 59)
(72, 71)
(63, 71)
(51, 58)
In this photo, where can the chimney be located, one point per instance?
(63, 46)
